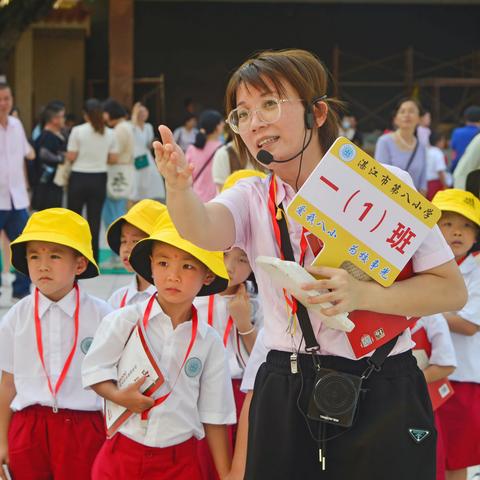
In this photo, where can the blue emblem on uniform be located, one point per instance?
(85, 344)
(347, 152)
(193, 367)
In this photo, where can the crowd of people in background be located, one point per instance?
(103, 169)
(100, 167)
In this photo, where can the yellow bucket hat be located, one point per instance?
(458, 201)
(239, 175)
(56, 225)
(142, 215)
(166, 232)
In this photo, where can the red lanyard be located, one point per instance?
(228, 328)
(124, 299)
(38, 334)
(461, 260)
(274, 212)
(146, 317)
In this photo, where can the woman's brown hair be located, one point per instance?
(302, 70)
(94, 111)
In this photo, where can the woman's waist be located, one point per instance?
(332, 342)
(394, 365)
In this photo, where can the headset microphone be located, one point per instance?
(266, 158)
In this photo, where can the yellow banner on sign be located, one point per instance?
(340, 246)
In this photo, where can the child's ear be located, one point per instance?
(209, 278)
(82, 264)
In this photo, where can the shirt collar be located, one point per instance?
(468, 265)
(157, 310)
(284, 192)
(132, 289)
(67, 304)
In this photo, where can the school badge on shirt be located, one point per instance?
(85, 344)
(193, 367)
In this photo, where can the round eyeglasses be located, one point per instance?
(269, 111)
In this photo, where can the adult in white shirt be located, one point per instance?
(120, 176)
(14, 200)
(91, 146)
(148, 181)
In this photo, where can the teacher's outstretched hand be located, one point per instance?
(171, 162)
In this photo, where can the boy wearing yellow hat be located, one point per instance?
(122, 235)
(56, 428)
(196, 398)
(460, 416)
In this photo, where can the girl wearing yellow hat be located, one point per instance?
(196, 398)
(460, 416)
(43, 340)
(122, 235)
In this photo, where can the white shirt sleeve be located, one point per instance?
(237, 199)
(257, 357)
(7, 340)
(471, 310)
(221, 166)
(216, 404)
(73, 141)
(113, 146)
(101, 361)
(438, 333)
(440, 165)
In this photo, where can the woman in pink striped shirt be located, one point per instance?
(201, 153)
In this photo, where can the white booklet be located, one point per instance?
(290, 276)
(138, 359)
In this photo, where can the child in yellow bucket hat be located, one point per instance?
(460, 416)
(196, 398)
(122, 235)
(43, 340)
(236, 314)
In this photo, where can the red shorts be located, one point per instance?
(43, 445)
(460, 423)
(205, 458)
(124, 459)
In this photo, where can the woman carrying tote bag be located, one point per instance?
(91, 146)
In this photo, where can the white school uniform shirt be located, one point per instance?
(258, 356)
(467, 348)
(19, 353)
(435, 163)
(438, 333)
(133, 295)
(236, 353)
(205, 396)
(247, 201)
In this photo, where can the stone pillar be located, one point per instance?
(120, 39)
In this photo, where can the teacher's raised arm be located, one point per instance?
(207, 225)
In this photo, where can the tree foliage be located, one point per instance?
(14, 19)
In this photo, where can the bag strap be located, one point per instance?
(379, 356)
(204, 166)
(412, 156)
